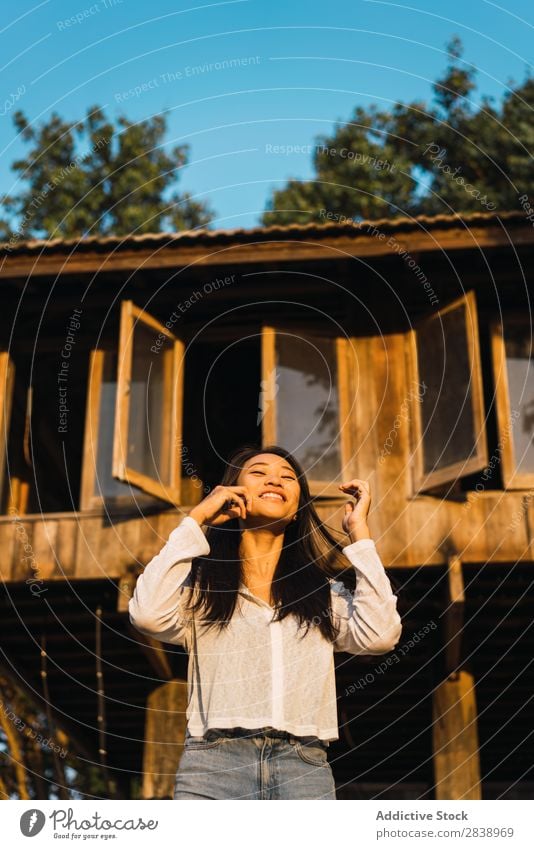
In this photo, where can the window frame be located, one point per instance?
(318, 488)
(89, 499)
(422, 482)
(7, 377)
(147, 488)
(512, 479)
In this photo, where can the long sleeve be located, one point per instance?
(368, 619)
(157, 605)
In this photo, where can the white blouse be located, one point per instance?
(257, 672)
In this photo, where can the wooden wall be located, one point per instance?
(409, 531)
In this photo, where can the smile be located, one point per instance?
(272, 496)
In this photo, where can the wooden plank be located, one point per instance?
(24, 563)
(346, 405)
(267, 400)
(487, 530)
(92, 415)
(89, 541)
(122, 398)
(45, 536)
(7, 547)
(66, 542)
(455, 739)
(387, 411)
(165, 726)
(125, 539)
(527, 511)
(7, 383)
(364, 436)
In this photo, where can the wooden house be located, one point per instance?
(399, 351)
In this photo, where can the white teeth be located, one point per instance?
(272, 495)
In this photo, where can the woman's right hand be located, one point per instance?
(222, 504)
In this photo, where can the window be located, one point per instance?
(304, 402)
(449, 437)
(45, 428)
(133, 415)
(221, 388)
(513, 369)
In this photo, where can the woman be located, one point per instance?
(258, 603)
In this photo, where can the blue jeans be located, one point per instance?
(258, 763)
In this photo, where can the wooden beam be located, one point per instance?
(455, 739)
(164, 738)
(453, 619)
(313, 247)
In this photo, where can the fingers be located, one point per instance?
(355, 486)
(243, 491)
(239, 498)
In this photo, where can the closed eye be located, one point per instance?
(286, 477)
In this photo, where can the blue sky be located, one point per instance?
(290, 70)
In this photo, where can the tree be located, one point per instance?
(416, 158)
(92, 177)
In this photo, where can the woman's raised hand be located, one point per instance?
(222, 504)
(354, 521)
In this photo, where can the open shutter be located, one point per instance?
(133, 416)
(448, 430)
(148, 410)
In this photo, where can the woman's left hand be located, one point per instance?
(354, 521)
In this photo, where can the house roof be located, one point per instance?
(275, 231)
(328, 240)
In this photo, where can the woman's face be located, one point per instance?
(273, 485)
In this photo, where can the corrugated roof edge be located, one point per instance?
(332, 227)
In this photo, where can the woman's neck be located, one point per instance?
(260, 550)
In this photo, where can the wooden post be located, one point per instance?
(455, 739)
(453, 618)
(165, 725)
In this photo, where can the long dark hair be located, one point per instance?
(310, 556)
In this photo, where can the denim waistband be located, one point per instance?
(266, 731)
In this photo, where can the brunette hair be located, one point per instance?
(310, 557)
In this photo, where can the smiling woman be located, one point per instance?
(259, 603)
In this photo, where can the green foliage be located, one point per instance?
(449, 156)
(92, 177)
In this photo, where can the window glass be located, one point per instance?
(307, 402)
(520, 373)
(447, 420)
(105, 484)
